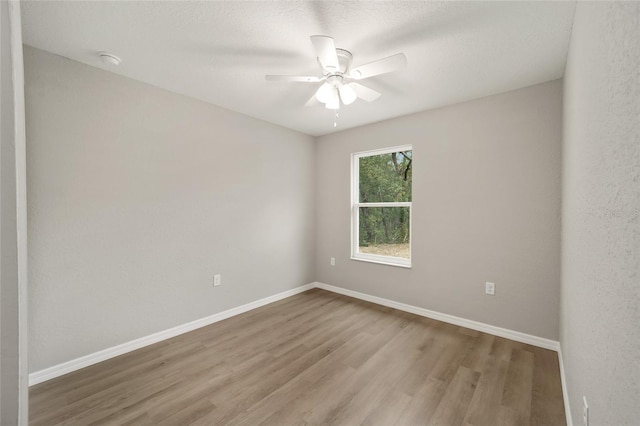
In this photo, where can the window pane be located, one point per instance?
(384, 231)
(385, 177)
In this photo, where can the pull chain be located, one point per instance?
(335, 122)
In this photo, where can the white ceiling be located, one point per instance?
(219, 52)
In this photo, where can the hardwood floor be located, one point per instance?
(314, 358)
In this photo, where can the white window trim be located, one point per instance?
(355, 207)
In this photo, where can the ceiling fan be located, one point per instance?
(339, 80)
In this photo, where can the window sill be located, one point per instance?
(382, 262)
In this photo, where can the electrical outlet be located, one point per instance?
(585, 411)
(217, 280)
(333, 261)
(490, 288)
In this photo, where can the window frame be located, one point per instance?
(356, 204)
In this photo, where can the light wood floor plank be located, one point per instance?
(456, 399)
(314, 358)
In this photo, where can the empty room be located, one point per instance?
(320, 212)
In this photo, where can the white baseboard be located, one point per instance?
(451, 319)
(565, 393)
(96, 357)
(103, 355)
(474, 325)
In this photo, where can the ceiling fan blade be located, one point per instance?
(364, 92)
(313, 101)
(296, 78)
(382, 66)
(326, 52)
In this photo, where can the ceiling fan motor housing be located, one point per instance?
(335, 80)
(344, 59)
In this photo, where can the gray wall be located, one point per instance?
(137, 196)
(13, 277)
(600, 312)
(9, 379)
(486, 207)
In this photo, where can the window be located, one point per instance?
(381, 206)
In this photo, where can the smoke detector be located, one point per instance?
(109, 59)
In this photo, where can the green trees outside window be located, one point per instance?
(384, 187)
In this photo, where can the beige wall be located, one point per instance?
(600, 312)
(486, 207)
(137, 196)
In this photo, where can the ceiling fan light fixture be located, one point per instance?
(324, 93)
(347, 94)
(334, 100)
